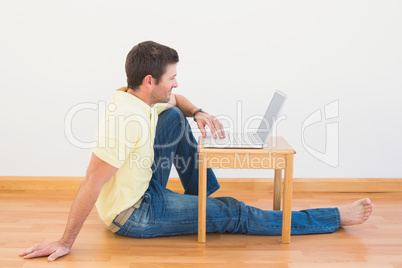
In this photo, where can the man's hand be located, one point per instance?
(53, 250)
(98, 173)
(214, 125)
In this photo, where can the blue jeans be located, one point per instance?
(165, 213)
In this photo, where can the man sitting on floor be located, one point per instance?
(144, 133)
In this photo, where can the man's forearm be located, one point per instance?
(98, 173)
(185, 105)
(202, 118)
(80, 209)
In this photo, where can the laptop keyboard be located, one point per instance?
(234, 138)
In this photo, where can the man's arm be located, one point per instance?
(98, 173)
(202, 118)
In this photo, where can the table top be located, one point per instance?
(275, 144)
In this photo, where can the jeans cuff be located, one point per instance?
(338, 218)
(213, 190)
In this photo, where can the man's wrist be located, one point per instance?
(67, 242)
(196, 112)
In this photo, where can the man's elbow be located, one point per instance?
(93, 182)
(173, 100)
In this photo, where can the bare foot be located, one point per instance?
(356, 213)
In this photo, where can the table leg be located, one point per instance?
(277, 189)
(202, 198)
(287, 200)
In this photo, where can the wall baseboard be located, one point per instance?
(347, 185)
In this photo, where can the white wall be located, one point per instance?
(57, 54)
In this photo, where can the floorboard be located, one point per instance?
(30, 217)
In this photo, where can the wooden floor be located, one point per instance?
(30, 217)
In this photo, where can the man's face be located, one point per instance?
(163, 90)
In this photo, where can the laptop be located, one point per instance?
(251, 139)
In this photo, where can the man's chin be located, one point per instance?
(168, 98)
(164, 100)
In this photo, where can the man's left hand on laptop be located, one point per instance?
(213, 123)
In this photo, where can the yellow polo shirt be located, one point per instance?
(125, 140)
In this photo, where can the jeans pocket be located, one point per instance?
(139, 221)
(146, 209)
(142, 215)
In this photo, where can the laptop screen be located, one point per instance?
(274, 108)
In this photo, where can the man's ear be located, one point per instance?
(147, 81)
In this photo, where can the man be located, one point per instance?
(143, 134)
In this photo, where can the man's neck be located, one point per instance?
(139, 94)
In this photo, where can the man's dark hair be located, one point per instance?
(148, 58)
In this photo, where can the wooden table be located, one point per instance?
(277, 154)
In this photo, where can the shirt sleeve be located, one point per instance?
(117, 138)
(160, 107)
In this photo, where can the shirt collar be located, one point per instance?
(133, 100)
